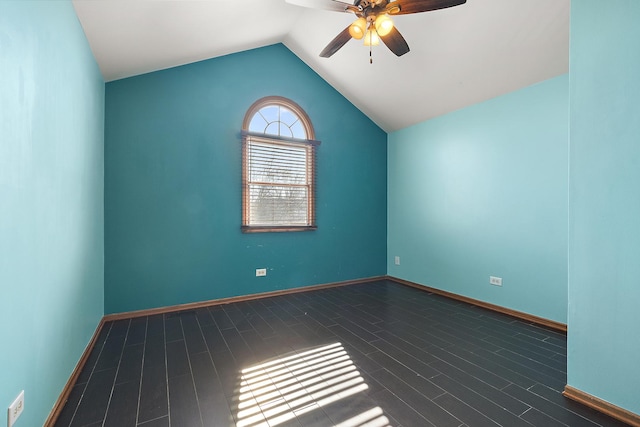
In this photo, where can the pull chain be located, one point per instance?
(370, 47)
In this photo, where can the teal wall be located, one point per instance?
(604, 203)
(173, 185)
(483, 191)
(51, 201)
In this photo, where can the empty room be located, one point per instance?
(319, 213)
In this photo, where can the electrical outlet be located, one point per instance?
(496, 281)
(261, 272)
(15, 409)
(397, 260)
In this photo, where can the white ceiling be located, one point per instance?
(459, 56)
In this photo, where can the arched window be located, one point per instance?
(278, 167)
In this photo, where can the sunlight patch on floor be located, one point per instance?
(277, 391)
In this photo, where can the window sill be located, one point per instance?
(280, 229)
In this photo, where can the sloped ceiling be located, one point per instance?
(459, 56)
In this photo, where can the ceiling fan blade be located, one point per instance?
(395, 42)
(417, 6)
(333, 5)
(336, 43)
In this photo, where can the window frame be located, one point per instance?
(310, 146)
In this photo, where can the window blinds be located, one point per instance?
(278, 182)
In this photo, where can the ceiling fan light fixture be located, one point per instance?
(358, 28)
(383, 25)
(371, 38)
(374, 21)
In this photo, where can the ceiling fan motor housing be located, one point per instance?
(369, 7)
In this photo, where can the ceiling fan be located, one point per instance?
(373, 21)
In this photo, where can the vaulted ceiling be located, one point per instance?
(459, 56)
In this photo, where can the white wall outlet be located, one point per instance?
(15, 409)
(261, 272)
(497, 281)
(397, 260)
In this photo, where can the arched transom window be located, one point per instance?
(278, 167)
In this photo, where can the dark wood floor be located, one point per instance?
(373, 354)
